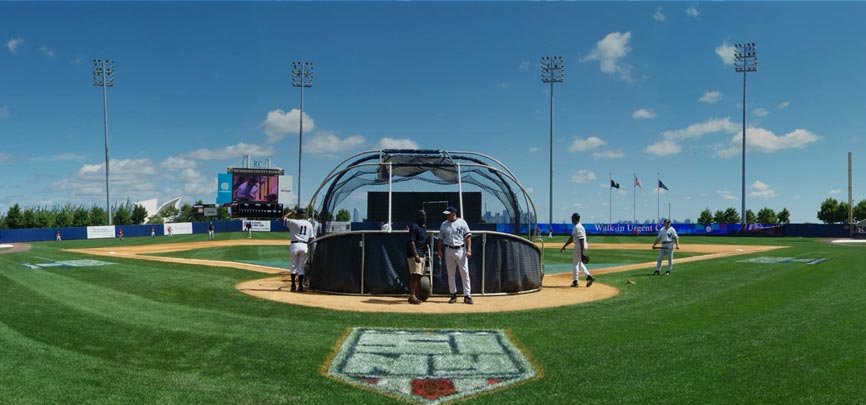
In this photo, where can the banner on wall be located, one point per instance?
(100, 232)
(177, 228)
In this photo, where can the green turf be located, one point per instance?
(718, 331)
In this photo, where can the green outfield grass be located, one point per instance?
(718, 331)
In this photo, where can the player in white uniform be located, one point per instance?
(455, 247)
(668, 238)
(303, 233)
(578, 236)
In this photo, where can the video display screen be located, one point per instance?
(255, 188)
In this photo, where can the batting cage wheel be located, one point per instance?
(390, 186)
(426, 288)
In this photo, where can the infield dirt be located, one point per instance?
(556, 290)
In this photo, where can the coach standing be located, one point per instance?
(668, 238)
(578, 236)
(455, 247)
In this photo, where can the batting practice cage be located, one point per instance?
(384, 189)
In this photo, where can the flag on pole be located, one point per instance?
(614, 184)
(662, 185)
(637, 182)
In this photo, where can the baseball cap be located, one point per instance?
(450, 210)
(666, 220)
(576, 214)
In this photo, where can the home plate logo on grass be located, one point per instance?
(429, 366)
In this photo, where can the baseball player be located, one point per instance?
(302, 235)
(668, 238)
(416, 254)
(455, 247)
(578, 236)
(210, 230)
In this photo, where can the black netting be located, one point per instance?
(410, 170)
(500, 263)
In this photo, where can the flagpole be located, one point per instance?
(658, 196)
(634, 200)
(610, 200)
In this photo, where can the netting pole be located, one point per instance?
(460, 190)
(390, 188)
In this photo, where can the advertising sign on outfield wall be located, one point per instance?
(178, 228)
(260, 226)
(100, 232)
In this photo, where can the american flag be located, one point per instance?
(637, 182)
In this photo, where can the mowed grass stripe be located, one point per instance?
(716, 331)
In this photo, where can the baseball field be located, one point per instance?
(782, 323)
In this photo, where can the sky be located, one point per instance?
(649, 91)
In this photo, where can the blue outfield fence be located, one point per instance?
(790, 230)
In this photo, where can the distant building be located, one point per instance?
(153, 209)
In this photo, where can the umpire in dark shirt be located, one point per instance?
(416, 254)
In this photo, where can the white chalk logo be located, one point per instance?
(430, 366)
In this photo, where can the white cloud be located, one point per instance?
(663, 148)
(698, 130)
(608, 154)
(761, 190)
(711, 97)
(693, 12)
(177, 163)
(530, 190)
(726, 195)
(835, 191)
(583, 176)
(280, 123)
(658, 16)
(60, 157)
(504, 85)
(327, 144)
(14, 44)
(609, 52)
(534, 149)
(4, 112)
(784, 104)
(581, 145)
(5, 157)
(760, 112)
(643, 113)
(231, 151)
(524, 65)
(391, 143)
(46, 51)
(762, 140)
(726, 53)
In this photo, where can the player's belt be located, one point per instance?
(455, 247)
(299, 241)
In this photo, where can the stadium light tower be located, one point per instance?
(745, 60)
(103, 76)
(552, 71)
(302, 76)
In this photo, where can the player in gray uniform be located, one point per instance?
(455, 247)
(668, 238)
(578, 236)
(303, 234)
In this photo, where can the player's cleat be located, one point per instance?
(589, 280)
(655, 273)
(467, 300)
(453, 299)
(667, 273)
(574, 283)
(414, 300)
(294, 288)
(301, 288)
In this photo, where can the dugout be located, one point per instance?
(374, 261)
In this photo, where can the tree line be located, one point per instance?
(732, 216)
(835, 212)
(68, 216)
